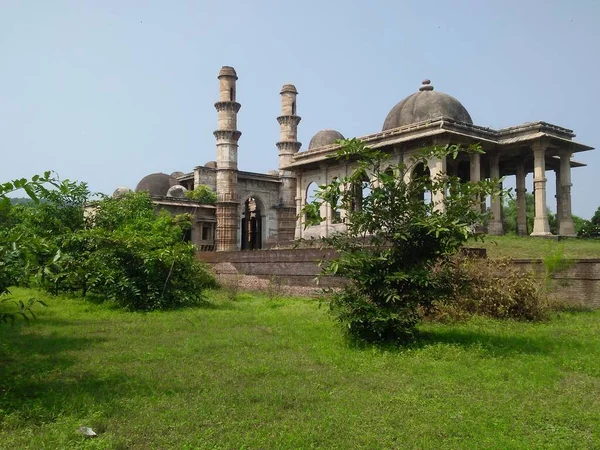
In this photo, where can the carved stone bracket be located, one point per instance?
(233, 135)
(289, 146)
(228, 106)
(289, 120)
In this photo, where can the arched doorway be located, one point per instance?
(252, 224)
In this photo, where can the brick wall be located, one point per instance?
(578, 284)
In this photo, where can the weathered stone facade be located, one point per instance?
(255, 211)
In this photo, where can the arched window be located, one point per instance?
(293, 108)
(421, 171)
(361, 192)
(252, 224)
(335, 203)
(232, 94)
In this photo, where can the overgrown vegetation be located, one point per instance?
(261, 374)
(202, 194)
(493, 288)
(395, 239)
(15, 250)
(120, 249)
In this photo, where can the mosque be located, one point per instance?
(255, 210)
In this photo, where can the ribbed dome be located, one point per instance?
(324, 137)
(156, 184)
(424, 105)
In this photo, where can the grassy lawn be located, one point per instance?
(530, 247)
(261, 374)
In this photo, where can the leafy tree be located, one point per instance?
(132, 255)
(15, 251)
(395, 242)
(202, 194)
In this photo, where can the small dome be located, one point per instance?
(177, 174)
(324, 137)
(156, 184)
(211, 164)
(274, 173)
(121, 192)
(227, 71)
(424, 105)
(177, 191)
(289, 88)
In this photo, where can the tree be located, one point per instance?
(14, 250)
(130, 254)
(202, 194)
(395, 243)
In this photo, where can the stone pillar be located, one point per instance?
(565, 224)
(437, 166)
(288, 146)
(475, 177)
(496, 228)
(299, 205)
(558, 196)
(521, 200)
(227, 135)
(541, 227)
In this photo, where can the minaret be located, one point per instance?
(288, 146)
(227, 136)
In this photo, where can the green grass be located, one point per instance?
(261, 374)
(524, 247)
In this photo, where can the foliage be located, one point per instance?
(202, 194)
(394, 239)
(16, 251)
(132, 256)
(120, 248)
(590, 228)
(494, 288)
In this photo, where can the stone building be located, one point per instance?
(255, 210)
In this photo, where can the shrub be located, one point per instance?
(394, 239)
(493, 288)
(202, 194)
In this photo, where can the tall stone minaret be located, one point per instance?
(288, 146)
(227, 136)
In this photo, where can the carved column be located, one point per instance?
(541, 227)
(495, 228)
(521, 200)
(565, 224)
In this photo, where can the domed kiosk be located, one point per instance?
(323, 138)
(426, 104)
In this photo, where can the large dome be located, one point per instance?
(424, 105)
(324, 137)
(156, 184)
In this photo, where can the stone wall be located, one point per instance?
(296, 270)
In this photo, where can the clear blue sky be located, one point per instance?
(109, 91)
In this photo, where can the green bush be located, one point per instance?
(132, 256)
(202, 194)
(394, 239)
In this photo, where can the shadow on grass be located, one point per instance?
(493, 345)
(37, 380)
